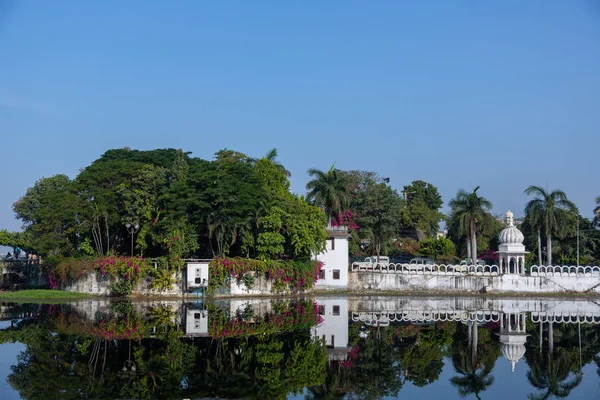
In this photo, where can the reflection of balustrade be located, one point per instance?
(426, 269)
(570, 318)
(385, 317)
(565, 270)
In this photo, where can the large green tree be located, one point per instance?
(549, 210)
(469, 214)
(50, 211)
(422, 211)
(378, 207)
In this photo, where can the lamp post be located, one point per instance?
(132, 229)
(578, 217)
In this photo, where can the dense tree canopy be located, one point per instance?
(233, 205)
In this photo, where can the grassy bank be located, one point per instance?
(41, 294)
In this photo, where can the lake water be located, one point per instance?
(313, 348)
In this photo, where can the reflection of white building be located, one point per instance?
(195, 320)
(333, 331)
(513, 337)
(335, 259)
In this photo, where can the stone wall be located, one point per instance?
(373, 281)
(96, 284)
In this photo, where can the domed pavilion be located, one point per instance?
(511, 252)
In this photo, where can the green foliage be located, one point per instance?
(437, 248)
(378, 207)
(422, 211)
(330, 190)
(125, 272)
(51, 229)
(285, 275)
(470, 218)
(41, 294)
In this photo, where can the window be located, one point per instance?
(332, 243)
(197, 315)
(336, 274)
(197, 280)
(336, 310)
(321, 310)
(322, 274)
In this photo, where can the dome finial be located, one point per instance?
(510, 221)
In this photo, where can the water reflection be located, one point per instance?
(324, 348)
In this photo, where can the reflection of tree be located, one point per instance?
(474, 354)
(556, 358)
(550, 372)
(376, 371)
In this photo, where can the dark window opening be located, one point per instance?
(336, 274)
(321, 310)
(336, 310)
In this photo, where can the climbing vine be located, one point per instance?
(284, 275)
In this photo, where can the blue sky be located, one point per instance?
(501, 94)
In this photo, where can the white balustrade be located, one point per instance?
(564, 270)
(426, 269)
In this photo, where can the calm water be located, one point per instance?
(321, 348)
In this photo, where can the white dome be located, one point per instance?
(511, 235)
(513, 353)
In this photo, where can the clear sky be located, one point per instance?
(502, 94)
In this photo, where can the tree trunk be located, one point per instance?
(539, 242)
(550, 337)
(473, 244)
(549, 249)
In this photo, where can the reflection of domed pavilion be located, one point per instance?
(511, 251)
(513, 337)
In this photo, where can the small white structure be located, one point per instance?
(335, 259)
(513, 337)
(196, 320)
(511, 252)
(333, 331)
(197, 274)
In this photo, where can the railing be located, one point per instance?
(426, 269)
(564, 270)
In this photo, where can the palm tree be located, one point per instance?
(536, 221)
(475, 374)
(551, 209)
(329, 190)
(471, 211)
(551, 373)
(272, 156)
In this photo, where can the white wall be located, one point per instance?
(336, 259)
(359, 281)
(335, 325)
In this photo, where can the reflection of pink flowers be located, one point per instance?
(352, 356)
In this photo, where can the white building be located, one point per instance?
(511, 251)
(335, 259)
(333, 331)
(197, 275)
(195, 320)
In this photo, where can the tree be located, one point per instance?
(50, 213)
(470, 213)
(596, 220)
(550, 209)
(550, 372)
(329, 190)
(438, 247)
(378, 207)
(272, 157)
(423, 203)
